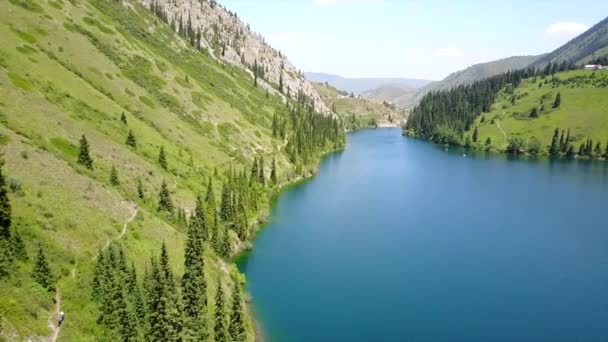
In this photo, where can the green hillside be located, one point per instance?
(583, 111)
(481, 71)
(358, 112)
(590, 45)
(109, 70)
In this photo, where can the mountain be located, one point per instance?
(397, 94)
(358, 112)
(591, 44)
(228, 38)
(560, 111)
(480, 71)
(137, 158)
(359, 86)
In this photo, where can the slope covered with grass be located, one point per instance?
(357, 112)
(106, 70)
(583, 111)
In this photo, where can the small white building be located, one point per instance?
(593, 67)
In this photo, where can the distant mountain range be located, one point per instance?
(361, 85)
(407, 93)
(480, 71)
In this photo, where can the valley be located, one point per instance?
(168, 174)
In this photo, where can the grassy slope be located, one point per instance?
(69, 68)
(367, 113)
(584, 110)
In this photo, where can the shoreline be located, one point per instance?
(261, 221)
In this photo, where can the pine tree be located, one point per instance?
(606, 152)
(164, 199)
(114, 176)
(42, 272)
(220, 315)
(262, 175)
(162, 158)
(210, 203)
(273, 174)
(566, 142)
(475, 134)
(558, 101)
(534, 113)
(131, 141)
(84, 156)
(226, 209)
(598, 150)
(254, 171)
(237, 326)
(140, 190)
(570, 152)
(5, 207)
(18, 247)
(123, 118)
(194, 286)
(162, 301)
(554, 148)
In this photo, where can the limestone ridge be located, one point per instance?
(229, 39)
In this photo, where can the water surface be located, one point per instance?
(396, 239)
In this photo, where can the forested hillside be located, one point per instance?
(555, 112)
(135, 165)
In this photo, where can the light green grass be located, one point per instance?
(583, 110)
(84, 69)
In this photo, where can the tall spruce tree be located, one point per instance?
(165, 203)
(475, 134)
(114, 180)
(84, 155)
(558, 101)
(273, 174)
(162, 301)
(42, 272)
(554, 148)
(194, 287)
(140, 189)
(237, 326)
(123, 118)
(5, 207)
(131, 141)
(220, 315)
(162, 158)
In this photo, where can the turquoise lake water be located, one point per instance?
(397, 239)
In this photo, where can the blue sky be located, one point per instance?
(413, 38)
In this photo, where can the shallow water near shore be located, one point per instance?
(397, 239)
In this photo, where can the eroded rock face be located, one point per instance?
(227, 38)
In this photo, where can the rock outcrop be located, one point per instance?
(229, 39)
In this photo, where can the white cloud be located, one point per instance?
(450, 52)
(344, 2)
(565, 28)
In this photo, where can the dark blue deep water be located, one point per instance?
(397, 239)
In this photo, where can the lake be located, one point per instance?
(397, 239)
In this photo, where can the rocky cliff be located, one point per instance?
(226, 37)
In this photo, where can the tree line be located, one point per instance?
(444, 116)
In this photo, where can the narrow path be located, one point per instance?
(53, 320)
(500, 128)
(124, 227)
